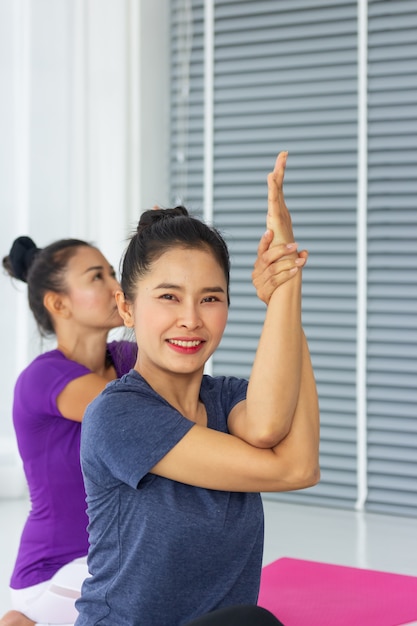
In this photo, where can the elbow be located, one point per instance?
(268, 437)
(303, 476)
(309, 476)
(314, 477)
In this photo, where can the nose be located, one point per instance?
(189, 317)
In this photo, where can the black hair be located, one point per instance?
(158, 231)
(43, 269)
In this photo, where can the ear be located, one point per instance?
(55, 304)
(125, 309)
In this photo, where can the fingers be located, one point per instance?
(265, 242)
(267, 282)
(276, 177)
(278, 260)
(275, 180)
(278, 217)
(303, 255)
(273, 268)
(268, 254)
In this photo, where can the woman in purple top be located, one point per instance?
(71, 289)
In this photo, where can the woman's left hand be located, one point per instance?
(273, 267)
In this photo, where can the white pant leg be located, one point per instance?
(53, 601)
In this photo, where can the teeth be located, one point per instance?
(185, 344)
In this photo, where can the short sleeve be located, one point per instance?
(39, 385)
(220, 394)
(234, 391)
(126, 431)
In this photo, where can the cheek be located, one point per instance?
(220, 320)
(86, 298)
(147, 317)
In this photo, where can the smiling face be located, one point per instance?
(91, 285)
(179, 313)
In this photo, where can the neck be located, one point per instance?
(89, 351)
(182, 391)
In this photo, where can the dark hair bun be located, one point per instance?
(155, 215)
(21, 256)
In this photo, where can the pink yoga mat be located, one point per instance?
(306, 593)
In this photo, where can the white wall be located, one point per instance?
(84, 117)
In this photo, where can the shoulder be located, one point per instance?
(46, 369)
(130, 424)
(39, 385)
(229, 390)
(130, 383)
(224, 384)
(130, 389)
(130, 403)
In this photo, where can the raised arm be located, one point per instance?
(214, 460)
(266, 416)
(274, 445)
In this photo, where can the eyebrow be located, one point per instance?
(98, 268)
(93, 268)
(215, 289)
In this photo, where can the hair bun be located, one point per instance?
(156, 215)
(21, 256)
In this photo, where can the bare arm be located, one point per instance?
(274, 386)
(74, 398)
(214, 460)
(274, 445)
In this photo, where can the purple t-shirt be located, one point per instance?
(49, 444)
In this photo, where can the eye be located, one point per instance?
(211, 299)
(167, 296)
(98, 276)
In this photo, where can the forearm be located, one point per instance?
(301, 446)
(274, 383)
(215, 460)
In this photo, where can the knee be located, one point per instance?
(15, 618)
